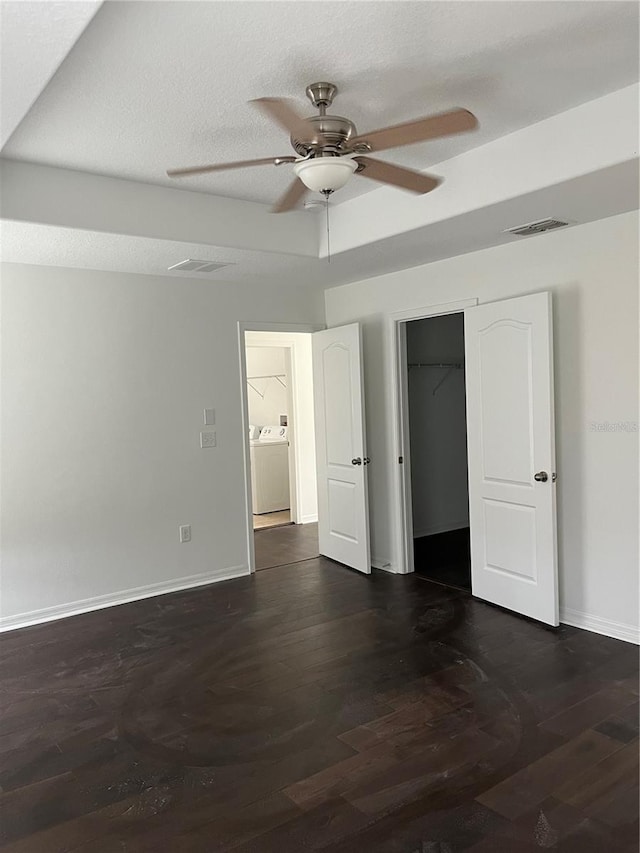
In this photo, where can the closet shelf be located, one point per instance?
(280, 377)
(452, 364)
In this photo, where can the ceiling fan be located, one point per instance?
(330, 149)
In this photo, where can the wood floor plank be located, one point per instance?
(532, 784)
(590, 711)
(309, 707)
(602, 781)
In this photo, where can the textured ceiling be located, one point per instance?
(153, 85)
(34, 39)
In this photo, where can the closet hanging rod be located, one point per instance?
(269, 376)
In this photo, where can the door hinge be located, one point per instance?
(400, 460)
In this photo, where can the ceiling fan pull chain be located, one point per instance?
(326, 201)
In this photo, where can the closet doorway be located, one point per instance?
(437, 426)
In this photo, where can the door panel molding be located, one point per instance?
(510, 436)
(343, 512)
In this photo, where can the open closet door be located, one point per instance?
(343, 513)
(512, 507)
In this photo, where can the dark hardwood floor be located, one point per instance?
(444, 558)
(313, 708)
(290, 543)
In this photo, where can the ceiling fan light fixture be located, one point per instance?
(325, 174)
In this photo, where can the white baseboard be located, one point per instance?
(445, 527)
(308, 519)
(385, 565)
(617, 630)
(61, 611)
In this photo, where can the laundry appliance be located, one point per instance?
(270, 469)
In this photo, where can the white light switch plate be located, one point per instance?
(209, 417)
(208, 439)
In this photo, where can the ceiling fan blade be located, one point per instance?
(398, 176)
(432, 127)
(220, 167)
(282, 112)
(290, 199)
(388, 173)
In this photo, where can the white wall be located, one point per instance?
(267, 397)
(105, 377)
(592, 271)
(437, 426)
(302, 428)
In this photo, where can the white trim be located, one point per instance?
(433, 310)
(258, 326)
(598, 625)
(284, 328)
(99, 602)
(383, 565)
(309, 519)
(400, 475)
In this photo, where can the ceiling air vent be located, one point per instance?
(191, 265)
(536, 227)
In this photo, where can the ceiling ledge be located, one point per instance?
(586, 139)
(69, 199)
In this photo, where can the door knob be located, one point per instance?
(541, 477)
(367, 460)
(356, 461)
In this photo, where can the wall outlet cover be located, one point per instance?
(185, 532)
(209, 417)
(208, 439)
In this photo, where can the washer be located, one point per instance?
(270, 470)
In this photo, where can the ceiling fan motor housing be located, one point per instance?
(335, 132)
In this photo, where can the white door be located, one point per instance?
(343, 514)
(509, 383)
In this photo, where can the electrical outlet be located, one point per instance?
(208, 439)
(185, 532)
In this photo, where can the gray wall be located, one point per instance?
(105, 378)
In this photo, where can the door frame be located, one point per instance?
(248, 326)
(404, 558)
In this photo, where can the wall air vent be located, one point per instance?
(191, 265)
(536, 227)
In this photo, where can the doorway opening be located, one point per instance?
(269, 401)
(437, 427)
(281, 453)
